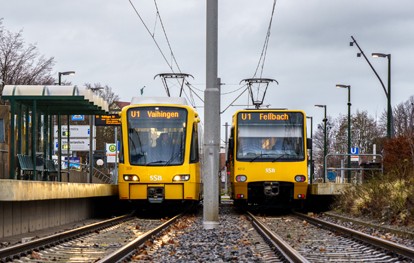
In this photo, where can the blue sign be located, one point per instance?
(78, 117)
(354, 150)
(331, 176)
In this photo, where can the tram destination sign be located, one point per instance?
(107, 120)
(269, 116)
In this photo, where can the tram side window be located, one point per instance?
(2, 137)
(121, 154)
(194, 150)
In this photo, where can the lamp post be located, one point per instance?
(349, 127)
(59, 134)
(387, 93)
(324, 139)
(390, 130)
(64, 73)
(91, 132)
(311, 148)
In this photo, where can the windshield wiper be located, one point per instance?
(257, 156)
(156, 162)
(285, 155)
(173, 158)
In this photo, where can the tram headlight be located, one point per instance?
(241, 178)
(300, 178)
(131, 177)
(181, 177)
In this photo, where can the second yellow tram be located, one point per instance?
(267, 157)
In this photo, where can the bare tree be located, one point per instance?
(105, 92)
(21, 64)
(105, 134)
(404, 118)
(319, 143)
(364, 131)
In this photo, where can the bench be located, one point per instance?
(52, 170)
(27, 167)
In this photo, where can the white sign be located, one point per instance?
(76, 131)
(75, 145)
(111, 152)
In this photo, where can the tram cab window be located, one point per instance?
(194, 150)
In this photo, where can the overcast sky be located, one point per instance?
(105, 42)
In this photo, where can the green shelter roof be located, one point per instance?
(56, 99)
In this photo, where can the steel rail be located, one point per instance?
(283, 247)
(11, 252)
(127, 251)
(378, 242)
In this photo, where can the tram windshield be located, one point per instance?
(266, 136)
(156, 135)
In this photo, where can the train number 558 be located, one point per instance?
(155, 177)
(270, 170)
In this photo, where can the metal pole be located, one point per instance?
(311, 149)
(226, 136)
(211, 121)
(390, 126)
(90, 148)
(324, 146)
(68, 140)
(59, 131)
(349, 134)
(115, 176)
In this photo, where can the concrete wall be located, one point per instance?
(27, 206)
(19, 190)
(28, 216)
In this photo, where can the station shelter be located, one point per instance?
(34, 109)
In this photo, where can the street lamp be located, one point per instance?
(324, 139)
(387, 93)
(311, 148)
(390, 130)
(91, 123)
(349, 127)
(64, 73)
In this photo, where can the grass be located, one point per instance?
(388, 198)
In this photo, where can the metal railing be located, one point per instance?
(366, 163)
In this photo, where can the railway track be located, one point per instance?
(129, 250)
(106, 241)
(301, 238)
(292, 238)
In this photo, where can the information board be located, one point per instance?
(107, 120)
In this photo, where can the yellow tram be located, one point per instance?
(160, 160)
(267, 157)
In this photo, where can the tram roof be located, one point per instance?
(159, 100)
(55, 99)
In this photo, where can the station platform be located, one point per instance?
(19, 190)
(329, 188)
(28, 206)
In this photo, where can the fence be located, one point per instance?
(361, 167)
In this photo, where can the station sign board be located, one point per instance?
(108, 120)
(78, 117)
(112, 152)
(75, 145)
(354, 154)
(76, 131)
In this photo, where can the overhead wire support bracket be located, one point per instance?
(180, 78)
(257, 82)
